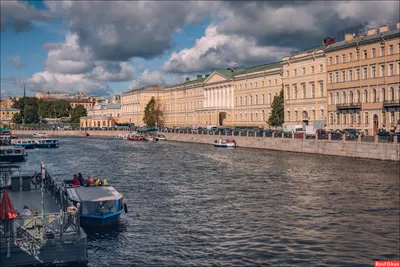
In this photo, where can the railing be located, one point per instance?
(391, 103)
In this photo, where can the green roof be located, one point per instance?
(263, 67)
(226, 73)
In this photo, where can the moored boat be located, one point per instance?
(161, 137)
(46, 143)
(25, 143)
(225, 143)
(39, 135)
(136, 138)
(83, 134)
(12, 154)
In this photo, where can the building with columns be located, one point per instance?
(305, 90)
(103, 114)
(134, 102)
(363, 81)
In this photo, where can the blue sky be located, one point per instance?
(103, 47)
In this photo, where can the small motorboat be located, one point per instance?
(39, 135)
(83, 134)
(46, 143)
(225, 143)
(161, 137)
(25, 143)
(136, 138)
(12, 154)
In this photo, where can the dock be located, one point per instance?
(50, 237)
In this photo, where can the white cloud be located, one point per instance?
(16, 61)
(155, 78)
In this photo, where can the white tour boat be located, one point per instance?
(40, 135)
(225, 143)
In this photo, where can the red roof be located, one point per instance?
(7, 210)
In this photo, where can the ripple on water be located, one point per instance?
(193, 205)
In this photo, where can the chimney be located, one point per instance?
(371, 31)
(199, 77)
(398, 25)
(348, 37)
(328, 41)
(187, 79)
(384, 28)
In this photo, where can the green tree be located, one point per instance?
(30, 115)
(24, 102)
(78, 112)
(153, 114)
(17, 118)
(277, 112)
(53, 109)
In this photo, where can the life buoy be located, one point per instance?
(36, 179)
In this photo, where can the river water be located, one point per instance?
(196, 205)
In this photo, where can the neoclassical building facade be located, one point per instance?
(363, 81)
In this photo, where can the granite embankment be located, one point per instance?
(354, 149)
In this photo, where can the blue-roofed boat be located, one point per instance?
(100, 206)
(25, 143)
(46, 143)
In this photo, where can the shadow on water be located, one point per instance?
(99, 233)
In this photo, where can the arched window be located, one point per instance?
(358, 96)
(383, 95)
(337, 99)
(391, 93)
(365, 96)
(374, 96)
(344, 98)
(330, 98)
(351, 97)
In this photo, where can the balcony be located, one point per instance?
(391, 103)
(348, 106)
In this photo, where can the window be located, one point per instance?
(288, 115)
(382, 71)
(295, 91)
(245, 86)
(251, 85)
(312, 90)
(295, 72)
(256, 99)
(245, 100)
(269, 82)
(321, 89)
(391, 93)
(391, 116)
(357, 73)
(337, 77)
(337, 100)
(365, 54)
(344, 118)
(262, 98)
(262, 83)
(330, 60)
(350, 75)
(390, 50)
(331, 118)
(313, 115)
(391, 68)
(383, 95)
(330, 77)
(251, 100)
(373, 71)
(343, 76)
(365, 73)
(304, 91)
(236, 103)
(240, 86)
(344, 98)
(351, 97)
(358, 55)
(365, 96)
(337, 60)
(343, 58)
(296, 115)
(241, 102)
(382, 51)
(287, 73)
(366, 118)
(374, 96)
(276, 81)
(255, 84)
(304, 70)
(330, 99)
(287, 93)
(350, 57)
(321, 68)
(337, 118)
(269, 98)
(312, 69)
(373, 52)
(322, 114)
(358, 97)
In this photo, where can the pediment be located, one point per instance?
(216, 77)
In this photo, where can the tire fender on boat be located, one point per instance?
(36, 179)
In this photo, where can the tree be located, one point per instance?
(277, 112)
(153, 114)
(24, 102)
(30, 115)
(17, 118)
(78, 112)
(53, 109)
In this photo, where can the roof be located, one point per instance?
(363, 39)
(93, 194)
(226, 73)
(268, 66)
(145, 89)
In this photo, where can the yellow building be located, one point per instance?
(6, 115)
(254, 91)
(134, 102)
(363, 81)
(103, 114)
(305, 90)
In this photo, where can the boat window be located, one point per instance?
(9, 151)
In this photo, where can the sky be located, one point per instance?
(109, 47)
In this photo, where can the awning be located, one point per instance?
(7, 210)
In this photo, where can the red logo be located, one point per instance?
(386, 263)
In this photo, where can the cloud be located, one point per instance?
(19, 15)
(16, 61)
(155, 77)
(113, 71)
(121, 30)
(215, 50)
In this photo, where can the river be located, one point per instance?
(195, 205)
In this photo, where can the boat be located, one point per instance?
(83, 134)
(12, 154)
(39, 135)
(122, 136)
(161, 137)
(5, 136)
(101, 206)
(136, 138)
(46, 143)
(224, 142)
(25, 143)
